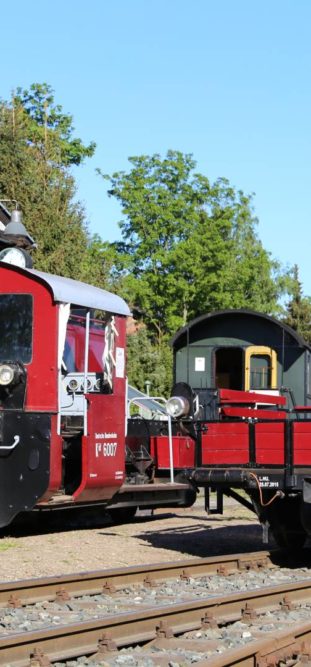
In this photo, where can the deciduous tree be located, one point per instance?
(188, 246)
(148, 362)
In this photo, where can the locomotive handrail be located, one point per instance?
(15, 443)
(169, 423)
(86, 368)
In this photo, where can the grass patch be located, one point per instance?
(6, 544)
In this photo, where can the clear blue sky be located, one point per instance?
(229, 82)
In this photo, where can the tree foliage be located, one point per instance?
(148, 362)
(298, 311)
(188, 246)
(38, 148)
(49, 129)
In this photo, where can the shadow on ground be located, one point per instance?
(204, 540)
(205, 537)
(42, 523)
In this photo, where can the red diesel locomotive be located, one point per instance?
(63, 402)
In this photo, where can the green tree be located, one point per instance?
(188, 246)
(298, 311)
(38, 149)
(148, 362)
(49, 129)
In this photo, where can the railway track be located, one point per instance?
(29, 591)
(209, 626)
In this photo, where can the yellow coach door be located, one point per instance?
(260, 368)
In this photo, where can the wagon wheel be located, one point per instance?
(284, 518)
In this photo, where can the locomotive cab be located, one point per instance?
(62, 391)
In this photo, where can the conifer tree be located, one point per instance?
(38, 149)
(298, 315)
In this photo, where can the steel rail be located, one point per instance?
(29, 591)
(263, 652)
(125, 629)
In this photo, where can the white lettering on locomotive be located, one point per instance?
(105, 449)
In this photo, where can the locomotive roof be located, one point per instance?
(242, 311)
(66, 290)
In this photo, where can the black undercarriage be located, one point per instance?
(24, 461)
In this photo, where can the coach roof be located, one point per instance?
(241, 312)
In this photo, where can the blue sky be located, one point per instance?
(229, 82)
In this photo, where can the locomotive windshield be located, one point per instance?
(16, 327)
(74, 351)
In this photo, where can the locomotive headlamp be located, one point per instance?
(6, 375)
(98, 384)
(73, 385)
(88, 385)
(177, 406)
(16, 256)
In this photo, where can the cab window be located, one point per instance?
(16, 319)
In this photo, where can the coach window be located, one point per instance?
(16, 316)
(260, 368)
